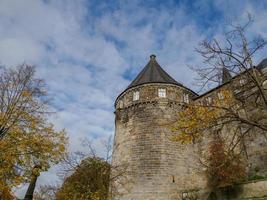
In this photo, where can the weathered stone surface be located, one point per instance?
(157, 168)
(254, 189)
(251, 190)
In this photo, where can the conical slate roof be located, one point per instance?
(152, 73)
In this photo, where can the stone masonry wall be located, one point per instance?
(158, 168)
(256, 143)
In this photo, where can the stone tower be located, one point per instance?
(155, 166)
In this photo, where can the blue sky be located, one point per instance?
(88, 51)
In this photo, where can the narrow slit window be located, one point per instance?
(136, 96)
(162, 93)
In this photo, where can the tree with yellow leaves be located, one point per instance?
(26, 137)
(90, 181)
(231, 114)
(89, 175)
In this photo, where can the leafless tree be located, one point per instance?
(72, 162)
(235, 52)
(235, 55)
(46, 192)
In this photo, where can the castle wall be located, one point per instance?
(255, 153)
(157, 167)
(149, 93)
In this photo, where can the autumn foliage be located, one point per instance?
(199, 118)
(216, 121)
(90, 181)
(26, 136)
(6, 194)
(224, 168)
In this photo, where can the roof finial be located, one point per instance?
(153, 57)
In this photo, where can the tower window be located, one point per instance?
(162, 93)
(209, 100)
(136, 96)
(242, 82)
(186, 98)
(120, 104)
(220, 95)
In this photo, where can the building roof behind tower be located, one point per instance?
(153, 73)
(262, 65)
(226, 76)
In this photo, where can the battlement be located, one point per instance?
(152, 92)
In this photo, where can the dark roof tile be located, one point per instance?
(152, 73)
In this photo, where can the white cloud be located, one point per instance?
(84, 56)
